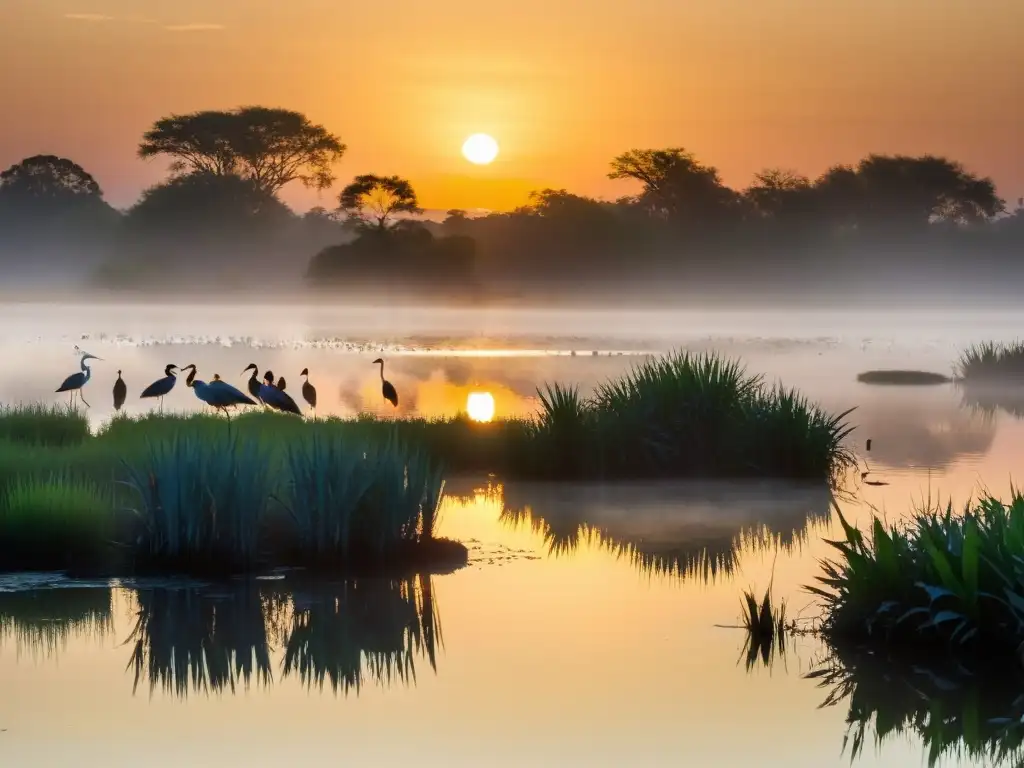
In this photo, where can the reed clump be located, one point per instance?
(991, 363)
(946, 582)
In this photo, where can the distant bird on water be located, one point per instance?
(161, 387)
(387, 388)
(76, 381)
(217, 393)
(120, 392)
(308, 390)
(276, 398)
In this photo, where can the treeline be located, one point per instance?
(217, 221)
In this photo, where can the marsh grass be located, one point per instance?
(991, 362)
(946, 581)
(56, 522)
(904, 378)
(974, 716)
(43, 425)
(765, 627)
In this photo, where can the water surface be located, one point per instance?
(583, 631)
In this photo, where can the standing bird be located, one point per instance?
(277, 398)
(254, 382)
(308, 390)
(161, 387)
(76, 381)
(120, 392)
(217, 393)
(281, 384)
(387, 388)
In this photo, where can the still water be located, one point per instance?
(583, 631)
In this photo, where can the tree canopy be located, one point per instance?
(374, 201)
(48, 178)
(267, 146)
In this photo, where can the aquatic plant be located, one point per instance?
(991, 362)
(54, 522)
(54, 425)
(950, 581)
(200, 500)
(42, 620)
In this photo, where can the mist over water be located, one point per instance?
(585, 622)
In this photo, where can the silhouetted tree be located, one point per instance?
(676, 185)
(374, 201)
(269, 147)
(47, 179)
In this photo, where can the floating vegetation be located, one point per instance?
(903, 378)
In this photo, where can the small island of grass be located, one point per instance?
(945, 582)
(991, 363)
(903, 378)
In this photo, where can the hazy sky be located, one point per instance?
(564, 85)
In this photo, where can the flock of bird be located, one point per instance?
(217, 393)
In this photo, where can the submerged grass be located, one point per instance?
(991, 362)
(944, 581)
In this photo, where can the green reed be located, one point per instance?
(953, 582)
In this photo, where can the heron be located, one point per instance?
(277, 398)
(161, 387)
(254, 382)
(308, 390)
(76, 381)
(217, 393)
(120, 392)
(387, 388)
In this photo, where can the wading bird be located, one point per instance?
(217, 393)
(387, 388)
(120, 392)
(76, 381)
(254, 383)
(308, 390)
(161, 387)
(276, 398)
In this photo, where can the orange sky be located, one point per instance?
(564, 86)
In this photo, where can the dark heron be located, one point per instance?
(254, 383)
(217, 393)
(161, 387)
(387, 388)
(308, 390)
(76, 381)
(120, 392)
(277, 398)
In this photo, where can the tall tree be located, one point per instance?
(675, 184)
(267, 146)
(373, 201)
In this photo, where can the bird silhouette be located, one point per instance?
(281, 384)
(277, 398)
(217, 393)
(387, 388)
(120, 392)
(161, 387)
(308, 390)
(253, 383)
(76, 381)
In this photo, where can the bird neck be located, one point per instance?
(381, 364)
(191, 378)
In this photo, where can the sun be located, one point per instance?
(480, 149)
(480, 406)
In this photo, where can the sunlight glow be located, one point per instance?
(480, 149)
(480, 406)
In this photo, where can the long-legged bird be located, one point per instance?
(120, 392)
(308, 390)
(217, 393)
(386, 387)
(76, 381)
(254, 382)
(161, 387)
